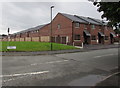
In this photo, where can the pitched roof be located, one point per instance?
(31, 29)
(89, 20)
(73, 18)
(99, 21)
(0, 36)
(82, 19)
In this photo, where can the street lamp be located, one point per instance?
(51, 27)
(8, 36)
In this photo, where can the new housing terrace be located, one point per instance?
(69, 29)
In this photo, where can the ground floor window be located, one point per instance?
(53, 39)
(106, 37)
(76, 37)
(93, 37)
(63, 40)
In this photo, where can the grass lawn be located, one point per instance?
(33, 46)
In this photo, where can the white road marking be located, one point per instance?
(32, 73)
(51, 62)
(24, 74)
(12, 79)
(8, 80)
(56, 61)
(104, 55)
(111, 75)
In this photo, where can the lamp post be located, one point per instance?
(51, 28)
(8, 36)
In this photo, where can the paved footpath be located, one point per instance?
(86, 48)
(111, 82)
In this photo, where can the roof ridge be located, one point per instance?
(95, 20)
(66, 13)
(81, 18)
(30, 29)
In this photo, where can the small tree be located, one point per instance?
(111, 11)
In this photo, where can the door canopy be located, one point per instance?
(101, 34)
(113, 34)
(87, 33)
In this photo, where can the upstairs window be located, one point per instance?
(77, 25)
(33, 31)
(20, 34)
(27, 34)
(100, 27)
(93, 26)
(58, 26)
(37, 31)
(106, 27)
(93, 37)
(14, 36)
(76, 37)
(85, 26)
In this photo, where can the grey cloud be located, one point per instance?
(22, 15)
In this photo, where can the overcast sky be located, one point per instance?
(19, 16)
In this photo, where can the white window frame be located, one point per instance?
(58, 26)
(93, 38)
(77, 39)
(76, 26)
(106, 27)
(85, 26)
(93, 26)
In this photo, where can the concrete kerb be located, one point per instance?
(39, 53)
(106, 81)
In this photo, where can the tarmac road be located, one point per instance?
(71, 69)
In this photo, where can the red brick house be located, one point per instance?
(74, 30)
(71, 30)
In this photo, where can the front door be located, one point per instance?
(100, 39)
(86, 38)
(111, 39)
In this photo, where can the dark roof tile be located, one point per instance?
(31, 29)
(82, 19)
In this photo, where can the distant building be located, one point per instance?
(0, 36)
(71, 30)
(3, 37)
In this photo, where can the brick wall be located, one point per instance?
(65, 29)
(95, 31)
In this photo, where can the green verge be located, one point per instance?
(33, 46)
